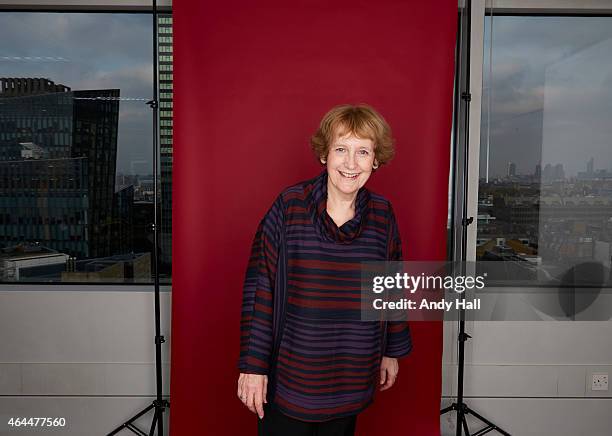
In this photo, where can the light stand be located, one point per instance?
(460, 407)
(159, 405)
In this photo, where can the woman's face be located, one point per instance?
(349, 163)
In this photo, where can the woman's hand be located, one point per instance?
(389, 367)
(252, 391)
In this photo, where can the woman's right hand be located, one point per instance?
(252, 391)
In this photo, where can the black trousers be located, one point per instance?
(275, 423)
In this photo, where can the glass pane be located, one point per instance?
(76, 191)
(545, 191)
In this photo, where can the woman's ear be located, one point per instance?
(323, 160)
(375, 165)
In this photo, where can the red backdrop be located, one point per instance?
(252, 80)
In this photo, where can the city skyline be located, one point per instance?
(590, 169)
(549, 91)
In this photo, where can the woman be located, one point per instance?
(308, 364)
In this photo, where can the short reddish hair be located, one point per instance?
(360, 120)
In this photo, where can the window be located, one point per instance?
(75, 153)
(545, 184)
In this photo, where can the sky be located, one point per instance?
(89, 51)
(547, 94)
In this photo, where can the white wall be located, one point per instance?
(88, 356)
(533, 378)
(84, 355)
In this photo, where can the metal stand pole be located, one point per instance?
(159, 405)
(460, 407)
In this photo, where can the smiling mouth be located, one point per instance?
(350, 176)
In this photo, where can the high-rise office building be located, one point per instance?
(122, 239)
(58, 149)
(96, 122)
(511, 169)
(35, 111)
(45, 201)
(164, 40)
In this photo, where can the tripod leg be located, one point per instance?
(152, 431)
(131, 420)
(447, 409)
(464, 424)
(486, 421)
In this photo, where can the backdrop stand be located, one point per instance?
(460, 407)
(159, 405)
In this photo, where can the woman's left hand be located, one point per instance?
(389, 367)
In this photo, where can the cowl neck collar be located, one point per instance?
(324, 224)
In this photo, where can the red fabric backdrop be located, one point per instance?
(252, 80)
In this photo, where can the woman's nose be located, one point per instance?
(350, 161)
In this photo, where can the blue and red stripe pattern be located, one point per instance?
(327, 360)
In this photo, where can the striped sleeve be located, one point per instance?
(256, 321)
(399, 340)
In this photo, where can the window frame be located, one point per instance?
(163, 6)
(480, 9)
(94, 6)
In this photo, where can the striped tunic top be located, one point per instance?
(322, 361)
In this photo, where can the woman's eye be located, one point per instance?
(340, 149)
(364, 152)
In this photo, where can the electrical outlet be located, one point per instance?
(600, 381)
